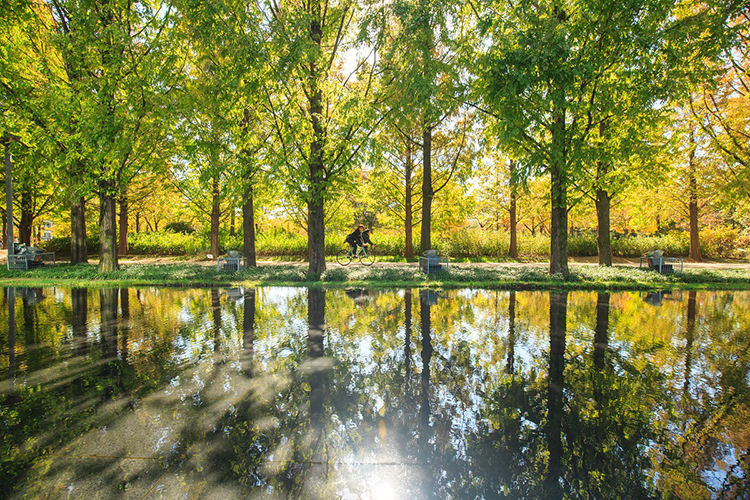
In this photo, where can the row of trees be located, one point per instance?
(256, 101)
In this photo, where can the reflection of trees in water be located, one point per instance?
(80, 317)
(477, 408)
(705, 449)
(67, 380)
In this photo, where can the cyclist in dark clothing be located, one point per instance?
(355, 237)
(366, 237)
(359, 237)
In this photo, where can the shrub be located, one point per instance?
(62, 244)
(674, 244)
(475, 243)
(721, 241)
(533, 245)
(179, 227)
(583, 245)
(167, 243)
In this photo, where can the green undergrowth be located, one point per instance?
(191, 275)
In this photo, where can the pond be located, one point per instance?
(285, 392)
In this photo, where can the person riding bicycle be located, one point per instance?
(359, 237)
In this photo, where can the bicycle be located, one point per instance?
(365, 257)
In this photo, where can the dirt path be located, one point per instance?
(573, 262)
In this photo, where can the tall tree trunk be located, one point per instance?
(27, 216)
(248, 228)
(513, 248)
(107, 230)
(603, 202)
(137, 222)
(78, 251)
(427, 193)
(555, 402)
(123, 246)
(559, 196)
(695, 247)
(8, 226)
(5, 229)
(408, 203)
(316, 239)
(231, 221)
(215, 213)
(603, 242)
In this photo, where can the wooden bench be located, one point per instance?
(431, 263)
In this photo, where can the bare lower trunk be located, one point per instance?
(122, 248)
(25, 226)
(408, 205)
(78, 251)
(513, 248)
(603, 242)
(695, 245)
(107, 232)
(558, 229)
(427, 193)
(248, 229)
(215, 213)
(316, 237)
(559, 197)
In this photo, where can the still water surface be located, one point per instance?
(387, 394)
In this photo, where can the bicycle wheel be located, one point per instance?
(367, 259)
(344, 257)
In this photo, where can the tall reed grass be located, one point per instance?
(464, 243)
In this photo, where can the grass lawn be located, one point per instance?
(191, 274)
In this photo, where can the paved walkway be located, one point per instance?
(572, 262)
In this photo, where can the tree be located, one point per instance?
(397, 178)
(320, 117)
(226, 40)
(721, 109)
(419, 66)
(550, 74)
(101, 65)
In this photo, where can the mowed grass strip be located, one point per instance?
(499, 276)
